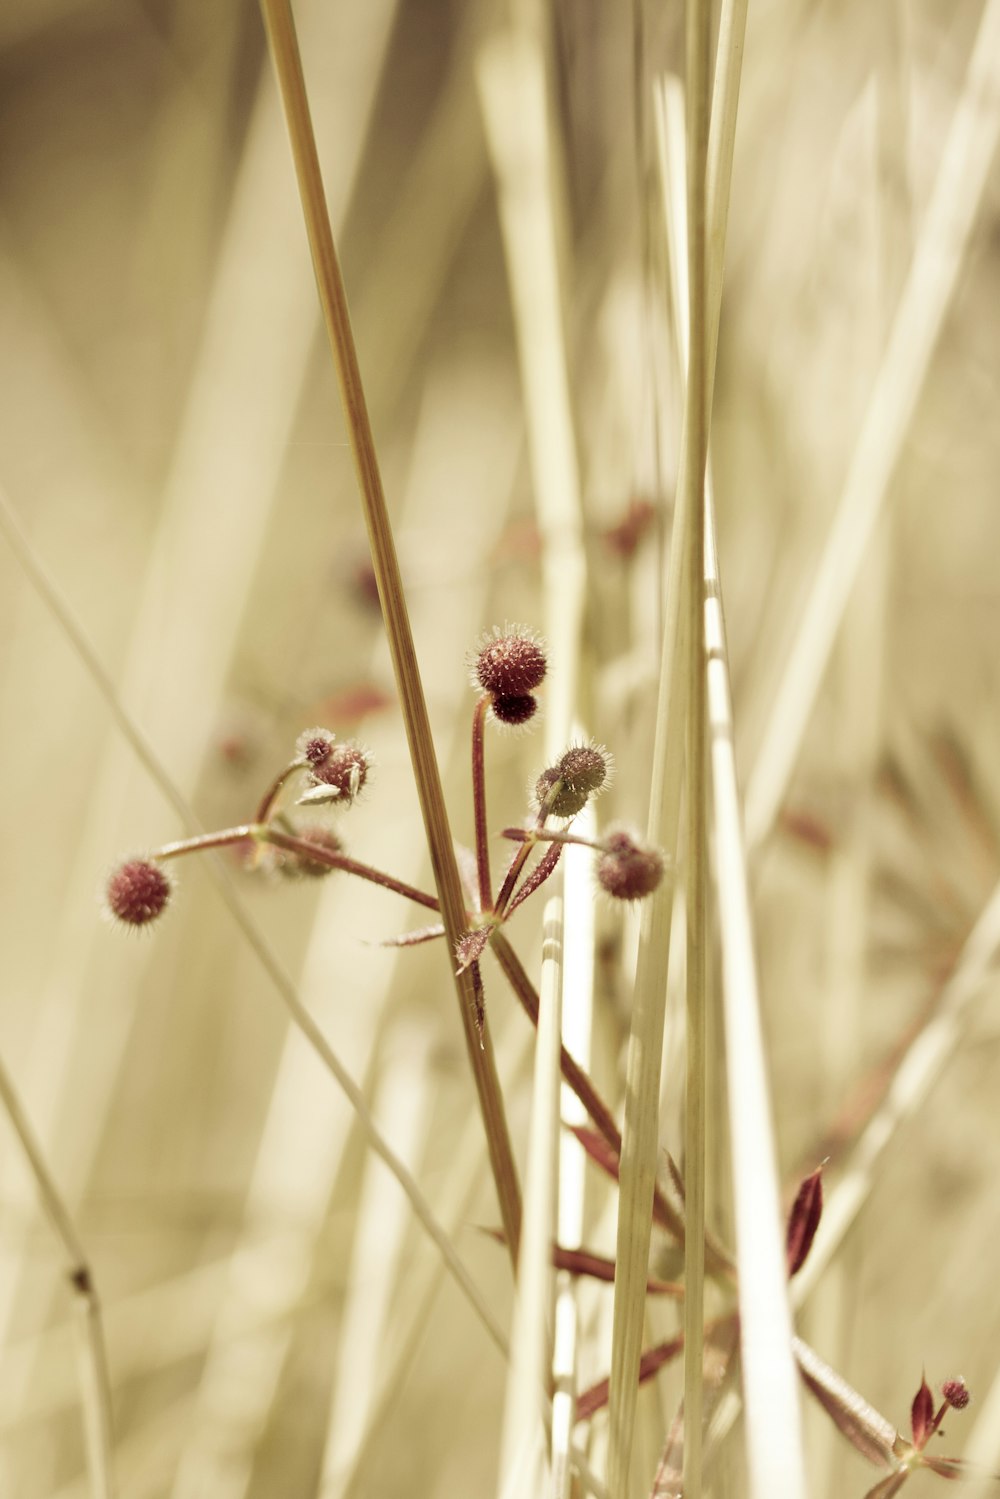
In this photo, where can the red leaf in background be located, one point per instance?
(598, 1149)
(353, 703)
(808, 829)
(803, 1220)
(922, 1414)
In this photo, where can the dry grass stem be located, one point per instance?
(94, 1377)
(939, 254)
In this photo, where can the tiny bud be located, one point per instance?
(345, 770)
(314, 746)
(514, 710)
(299, 864)
(956, 1392)
(626, 869)
(510, 662)
(138, 892)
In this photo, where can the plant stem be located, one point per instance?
(288, 67)
(520, 858)
(479, 803)
(320, 855)
(97, 1408)
(271, 794)
(696, 414)
(716, 1258)
(315, 852)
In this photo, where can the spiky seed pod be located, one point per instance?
(138, 892)
(627, 869)
(956, 1392)
(293, 864)
(514, 710)
(509, 662)
(314, 746)
(558, 798)
(565, 788)
(345, 771)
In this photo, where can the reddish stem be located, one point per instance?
(518, 861)
(479, 803)
(316, 853)
(225, 838)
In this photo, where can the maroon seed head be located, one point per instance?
(510, 662)
(138, 892)
(956, 1392)
(626, 869)
(345, 770)
(514, 710)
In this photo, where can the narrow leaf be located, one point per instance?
(598, 1149)
(664, 1215)
(411, 939)
(863, 1426)
(538, 875)
(922, 1414)
(602, 1267)
(949, 1467)
(803, 1220)
(596, 1397)
(886, 1487)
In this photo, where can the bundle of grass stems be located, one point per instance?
(339, 334)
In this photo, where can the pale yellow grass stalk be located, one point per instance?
(771, 1394)
(524, 1460)
(285, 54)
(697, 417)
(939, 254)
(98, 1422)
(512, 83)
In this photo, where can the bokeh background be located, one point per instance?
(171, 443)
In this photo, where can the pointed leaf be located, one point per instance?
(803, 1220)
(886, 1487)
(677, 1181)
(538, 875)
(922, 1414)
(411, 939)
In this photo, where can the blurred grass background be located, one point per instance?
(170, 438)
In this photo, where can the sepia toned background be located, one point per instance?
(172, 450)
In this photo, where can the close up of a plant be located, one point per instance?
(703, 385)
